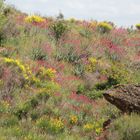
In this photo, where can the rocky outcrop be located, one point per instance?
(125, 97)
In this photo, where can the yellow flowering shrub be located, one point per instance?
(34, 18)
(73, 119)
(24, 69)
(104, 27)
(88, 127)
(56, 125)
(1, 83)
(118, 73)
(97, 65)
(46, 74)
(51, 73)
(50, 125)
(138, 26)
(91, 67)
(95, 126)
(98, 130)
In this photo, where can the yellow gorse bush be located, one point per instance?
(47, 73)
(44, 79)
(24, 69)
(88, 127)
(98, 130)
(91, 67)
(51, 72)
(138, 26)
(34, 18)
(96, 65)
(73, 119)
(56, 124)
(104, 27)
(119, 73)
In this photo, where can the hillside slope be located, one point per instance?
(53, 73)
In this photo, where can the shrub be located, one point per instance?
(56, 125)
(125, 128)
(35, 115)
(7, 52)
(58, 29)
(22, 111)
(9, 121)
(4, 107)
(17, 76)
(24, 72)
(71, 57)
(88, 127)
(80, 89)
(3, 20)
(53, 125)
(46, 74)
(118, 73)
(79, 69)
(138, 26)
(104, 27)
(43, 122)
(34, 18)
(28, 108)
(92, 66)
(73, 119)
(94, 94)
(95, 126)
(43, 95)
(38, 54)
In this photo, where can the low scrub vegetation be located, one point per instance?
(53, 73)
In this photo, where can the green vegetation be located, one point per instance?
(53, 73)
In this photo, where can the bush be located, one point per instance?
(52, 125)
(80, 89)
(118, 74)
(9, 121)
(94, 94)
(38, 54)
(138, 26)
(93, 64)
(34, 19)
(3, 20)
(125, 128)
(58, 29)
(8, 52)
(94, 126)
(104, 27)
(16, 78)
(46, 74)
(79, 69)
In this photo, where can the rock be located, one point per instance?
(125, 97)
